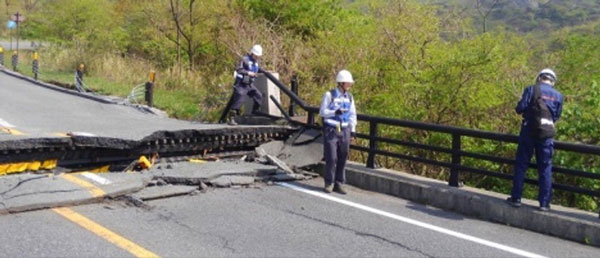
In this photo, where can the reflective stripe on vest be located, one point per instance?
(338, 101)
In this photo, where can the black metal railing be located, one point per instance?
(456, 152)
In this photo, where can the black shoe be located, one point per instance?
(514, 202)
(339, 189)
(544, 208)
(256, 109)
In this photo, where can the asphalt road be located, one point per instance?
(36, 111)
(274, 221)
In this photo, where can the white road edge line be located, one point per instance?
(96, 178)
(414, 222)
(5, 124)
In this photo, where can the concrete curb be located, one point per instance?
(567, 223)
(101, 99)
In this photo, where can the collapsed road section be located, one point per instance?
(41, 127)
(166, 177)
(85, 151)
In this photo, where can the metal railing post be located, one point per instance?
(35, 66)
(149, 94)
(294, 85)
(372, 144)
(453, 181)
(311, 118)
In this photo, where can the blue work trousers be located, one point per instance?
(336, 147)
(544, 149)
(242, 90)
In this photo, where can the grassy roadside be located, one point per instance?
(178, 102)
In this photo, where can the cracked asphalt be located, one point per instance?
(269, 221)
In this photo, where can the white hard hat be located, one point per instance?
(256, 50)
(548, 72)
(344, 76)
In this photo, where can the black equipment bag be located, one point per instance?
(542, 126)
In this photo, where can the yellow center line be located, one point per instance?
(61, 134)
(94, 190)
(103, 232)
(11, 131)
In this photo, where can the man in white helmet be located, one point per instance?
(245, 74)
(541, 106)
(339, 126)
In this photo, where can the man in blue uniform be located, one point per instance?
(245, 74)
(339, 125)
(528, 141)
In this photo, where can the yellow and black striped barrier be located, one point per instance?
(35, 66)
(1, 56)
(15, 60)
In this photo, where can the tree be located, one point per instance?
(485, 13)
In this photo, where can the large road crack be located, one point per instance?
(170, 217)
(359, 233)
(43, 192)
(21, 182)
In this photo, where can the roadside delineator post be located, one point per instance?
(35, 66)
(150, 89)
(15, 60)
(1, 56)
(79, 78)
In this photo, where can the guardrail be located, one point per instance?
(456, 152)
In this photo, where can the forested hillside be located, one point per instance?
(541, 16)
(462, 63)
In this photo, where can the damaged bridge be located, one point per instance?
(39, 122)
(48, 132)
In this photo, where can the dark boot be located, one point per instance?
(328, 188)
(339, 188)
(514, 202)
(256, 109)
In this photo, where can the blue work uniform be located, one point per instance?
(544, 148)
(244, 84)
(338, 129)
